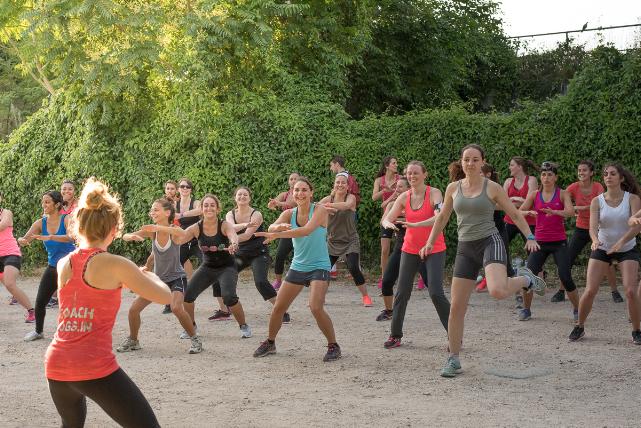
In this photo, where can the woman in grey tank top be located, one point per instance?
(166, 251)
(474, 199)
(613, 230)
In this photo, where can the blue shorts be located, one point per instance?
(305, 278)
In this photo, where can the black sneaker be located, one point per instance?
(392, 342)
(636, 337)
(577, 333)
(333, 352)
(166, 310)
(559, 296)
(616, 297)
(265, 348)
(220, 315)
(286, 318)
(53, 303)
(385, 315)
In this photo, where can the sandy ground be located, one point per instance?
(516, 374)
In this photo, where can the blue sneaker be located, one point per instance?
(451, 368)
(536, 284)
(525, 314)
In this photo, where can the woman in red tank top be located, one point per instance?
(79, 362)
(421, 205)
(383, 190)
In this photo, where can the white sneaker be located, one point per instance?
(245, 331)
(196, 345)
(128, 345)
(184, 335)
(33, 335)
(536, 284)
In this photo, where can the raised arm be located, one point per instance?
(441, 219)
(528, 203)
(255, 221)
(388, 220)
(7, 219)
(349, 204)
(319, 218)
(34, 231)
(194, 212)
(283, 222)
(635, 206)
(377, 192)
(228, 230)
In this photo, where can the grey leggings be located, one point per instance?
(435, 264)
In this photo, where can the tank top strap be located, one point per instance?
(79, 260)
(62, 229)
(200, 228)
(45, 232)
(233, 215)
(484, 190)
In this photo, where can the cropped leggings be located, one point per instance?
(353, 261)
(206, 276)
(48, 286)
(410, 263)
(285, 247)
(116, 394)
(260, 267)
(558, 250)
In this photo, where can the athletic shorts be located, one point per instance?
(603, 256)
(387, 233)
(15, 261)
(305, 278)
(472, 255)
(190, 250)
(179, 284)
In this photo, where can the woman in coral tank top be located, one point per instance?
(79, 362)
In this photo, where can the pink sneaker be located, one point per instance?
(367, 301)
(482, 286)
(420, 285)
(276, 284)
(30, 317)
(333, 274)
(380, 283)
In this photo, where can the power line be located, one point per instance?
(575, 31)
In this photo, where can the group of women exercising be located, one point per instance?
(88, 279)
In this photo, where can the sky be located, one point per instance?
(522, 17)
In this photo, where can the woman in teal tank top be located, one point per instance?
(306, 224)
(474, 199)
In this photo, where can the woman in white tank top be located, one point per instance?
(613, 239)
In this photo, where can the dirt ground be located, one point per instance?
(516, 374)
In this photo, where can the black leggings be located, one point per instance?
(116, 394)
(392, 269)
(260, 267)
(435, 265)
(285, 247)
(510, 232)
(580, 238)
(226, 277)
(353, 261)
(558, 250)
(48, 286)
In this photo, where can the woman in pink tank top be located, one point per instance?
(11, 262)
(79, 362)
(421, 205)
(550, 206)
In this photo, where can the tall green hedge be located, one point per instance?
(257, 141)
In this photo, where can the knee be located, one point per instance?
(631, 293)
(230, 301)
(316, 308)
(497, 293)
(177, 309)
(569, 285)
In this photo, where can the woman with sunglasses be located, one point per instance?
(550, 206)
(307, 226)
(218, 242)
(188, 213)
(52, 230)
(252, 251)
(582, 192)
(165, 246)
(342, 236)
(613, 239)
(474, 198)
(284, 201)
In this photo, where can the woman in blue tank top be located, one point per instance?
(52, 230)
(306, 224)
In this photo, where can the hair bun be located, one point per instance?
(94, 195)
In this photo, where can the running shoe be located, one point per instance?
(367, 301)
(333, 352)
(53, 303)
(575, 314)
(420, 284)
(385, 315)
(451, 368)
(559, 296)
(536, 284)
(184, 335)
(519, 301)
(636, 337)
(380, 283)
(482, 286)
(220, 315)
(13, 300)
(333, 274)
(286, 318)
(616, 297)
(245, 331)
(577, 333)
(276, 284)
(265, 348)
(525, 314)
(196, 345)
(30, 317)
(392, 342)
(33, 335)
(128, 345)
(166, 310)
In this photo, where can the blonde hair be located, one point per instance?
(98, 213)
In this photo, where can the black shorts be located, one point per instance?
(305, 278)
(190, 250)
(387, 233)
(15, 261)
(603, 256)
(179, 284)
(472, 255)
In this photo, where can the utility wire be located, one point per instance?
(575, 31)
